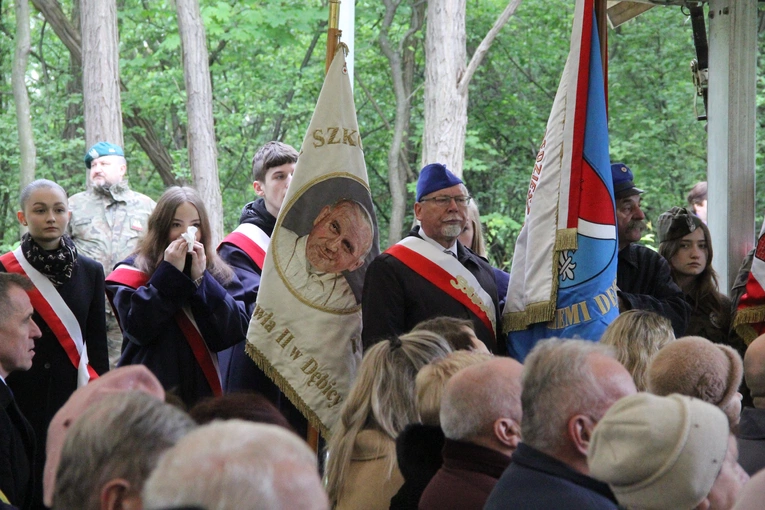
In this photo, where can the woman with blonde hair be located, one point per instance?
(362, 471)
(418, 447)
(637, 335)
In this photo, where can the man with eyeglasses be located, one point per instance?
(430, 273)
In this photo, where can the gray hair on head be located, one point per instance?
(558, 382)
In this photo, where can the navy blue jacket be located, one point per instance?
(396, 299)
(152, 337)
(536, 481)
(239, 371)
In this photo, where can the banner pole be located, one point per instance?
(333, 32)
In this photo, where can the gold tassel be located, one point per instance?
(286, 388)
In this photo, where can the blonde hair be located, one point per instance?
(637, 335)
(474, 217)
(381, 398)
(431, 379)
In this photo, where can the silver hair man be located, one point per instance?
(110, 450)
(237, 465)
(565, 380)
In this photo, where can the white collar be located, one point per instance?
(452, 248)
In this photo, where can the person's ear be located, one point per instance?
(417, 210)
(508, 432)
(258, 187)
(22, 218)
(580, 429)
(115, 495)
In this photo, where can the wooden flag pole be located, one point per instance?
(333, 38)
(333, 32)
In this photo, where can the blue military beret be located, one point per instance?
(102, 149)
(623, 185)
(435, 177)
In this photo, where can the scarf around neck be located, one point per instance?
(57, 265)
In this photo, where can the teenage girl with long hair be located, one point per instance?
(687, 245)
(177, 302)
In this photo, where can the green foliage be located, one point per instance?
(263, 91)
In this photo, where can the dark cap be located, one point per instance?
(102, 149)
(676, 223)
(435, 177)
(623, 185)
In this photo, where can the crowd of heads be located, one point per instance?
(651, 416)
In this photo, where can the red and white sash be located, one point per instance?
(55, 312)
(251, 240)
(448, 274)
(134, 278)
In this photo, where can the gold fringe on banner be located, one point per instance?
(565, 239)
(744, 318)
(286, 388)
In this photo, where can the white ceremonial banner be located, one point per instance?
(305, 332)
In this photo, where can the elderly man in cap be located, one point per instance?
(108, 219)
(642, 276)
(430, 273)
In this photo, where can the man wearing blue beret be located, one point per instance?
(430, 273)
(108, 219)
(642, 275)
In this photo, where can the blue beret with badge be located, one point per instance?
(623, 185)
(435, 177)
(102, 149)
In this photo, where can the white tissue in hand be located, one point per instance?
(190, 236)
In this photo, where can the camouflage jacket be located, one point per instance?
(106, 224)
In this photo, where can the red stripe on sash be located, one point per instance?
(247, 245)
(439, 277)
(135, 279)
(53, 321)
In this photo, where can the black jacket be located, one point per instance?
(396, 299)
(645, 283)
(17, 446)
(42, 390)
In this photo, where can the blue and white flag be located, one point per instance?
(563, 277)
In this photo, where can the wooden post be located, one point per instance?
(333, 32)
(731, 133)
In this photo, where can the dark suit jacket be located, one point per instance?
(17, 445)
(396, 299)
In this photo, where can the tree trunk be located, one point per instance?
(144, 133)
(74, 86)
(401, 62)
(203, 155)
(20, 95)
(447, 78)
(101, 72)
(445, 104)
